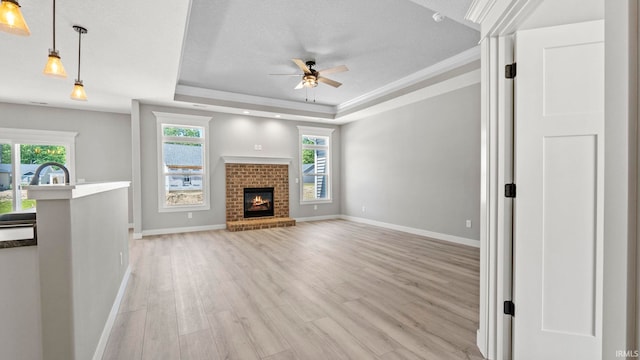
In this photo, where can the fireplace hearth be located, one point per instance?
(258, 202)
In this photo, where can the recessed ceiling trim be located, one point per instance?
(439, 88)
(451, 63)
(235, 98)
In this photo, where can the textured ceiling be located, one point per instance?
(225, 49)
(233, 46)
(131, 51)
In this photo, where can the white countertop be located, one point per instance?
(59, 192)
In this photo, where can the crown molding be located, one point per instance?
(439, 88)
(500, 17)
(233, 99)
(451, 63)
(478, 10)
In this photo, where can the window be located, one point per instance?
(182, 162)
(315, 165)
(21, 153)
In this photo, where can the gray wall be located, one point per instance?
(20, 328)
(418, 165)
(98, 237)
(103, 144)
(230, 135)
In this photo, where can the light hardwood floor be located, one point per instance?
(320, 290)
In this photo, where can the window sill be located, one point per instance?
(184, 208)
(316, 202)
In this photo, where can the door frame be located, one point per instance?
(499, 20)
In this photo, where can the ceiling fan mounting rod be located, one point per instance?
(310, 64)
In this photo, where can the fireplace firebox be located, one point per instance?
(258, 202)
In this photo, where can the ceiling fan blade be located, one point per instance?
(333, 70)
(329, 82)
(299, 86)
(301, 64)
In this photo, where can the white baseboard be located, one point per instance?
(182, 230)
(480, 343)
(319, 218)
(137, 236)
(102, 343)
(410, 230)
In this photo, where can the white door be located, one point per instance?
(559, 174)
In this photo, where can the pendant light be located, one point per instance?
(78, 89)
(54, 65)
(11, 19)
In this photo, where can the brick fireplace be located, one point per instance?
(245, 175)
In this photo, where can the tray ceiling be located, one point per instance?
(222, 51)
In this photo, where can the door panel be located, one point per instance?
(558, 217)
(569, 202)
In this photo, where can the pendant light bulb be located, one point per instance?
(78, 91)
(11, 19)
(54, 65)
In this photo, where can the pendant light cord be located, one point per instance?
(54, 25)
(79, 48)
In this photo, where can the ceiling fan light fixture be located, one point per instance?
(310, 81)
(54, 65)
(11, 19)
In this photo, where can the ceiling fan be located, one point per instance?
(311, 77)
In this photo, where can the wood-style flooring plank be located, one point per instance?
(285, 355)
(304, 342)
(125, 340)
(198, 345)
(257, 326)
(349, 345)
(161, 340)
(231, 340)
(189, 310)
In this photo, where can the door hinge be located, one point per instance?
(510, 71)
(510, 190)
(509, 308)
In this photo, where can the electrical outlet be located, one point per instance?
(297, 180)
(315, 207)
(468, 223)
(121, 260)
(257, 147)
(190, 215)
(364, 209)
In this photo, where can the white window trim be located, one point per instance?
(39, 137)
(163, 118)
(316, 131)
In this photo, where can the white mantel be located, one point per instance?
(256, 160)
